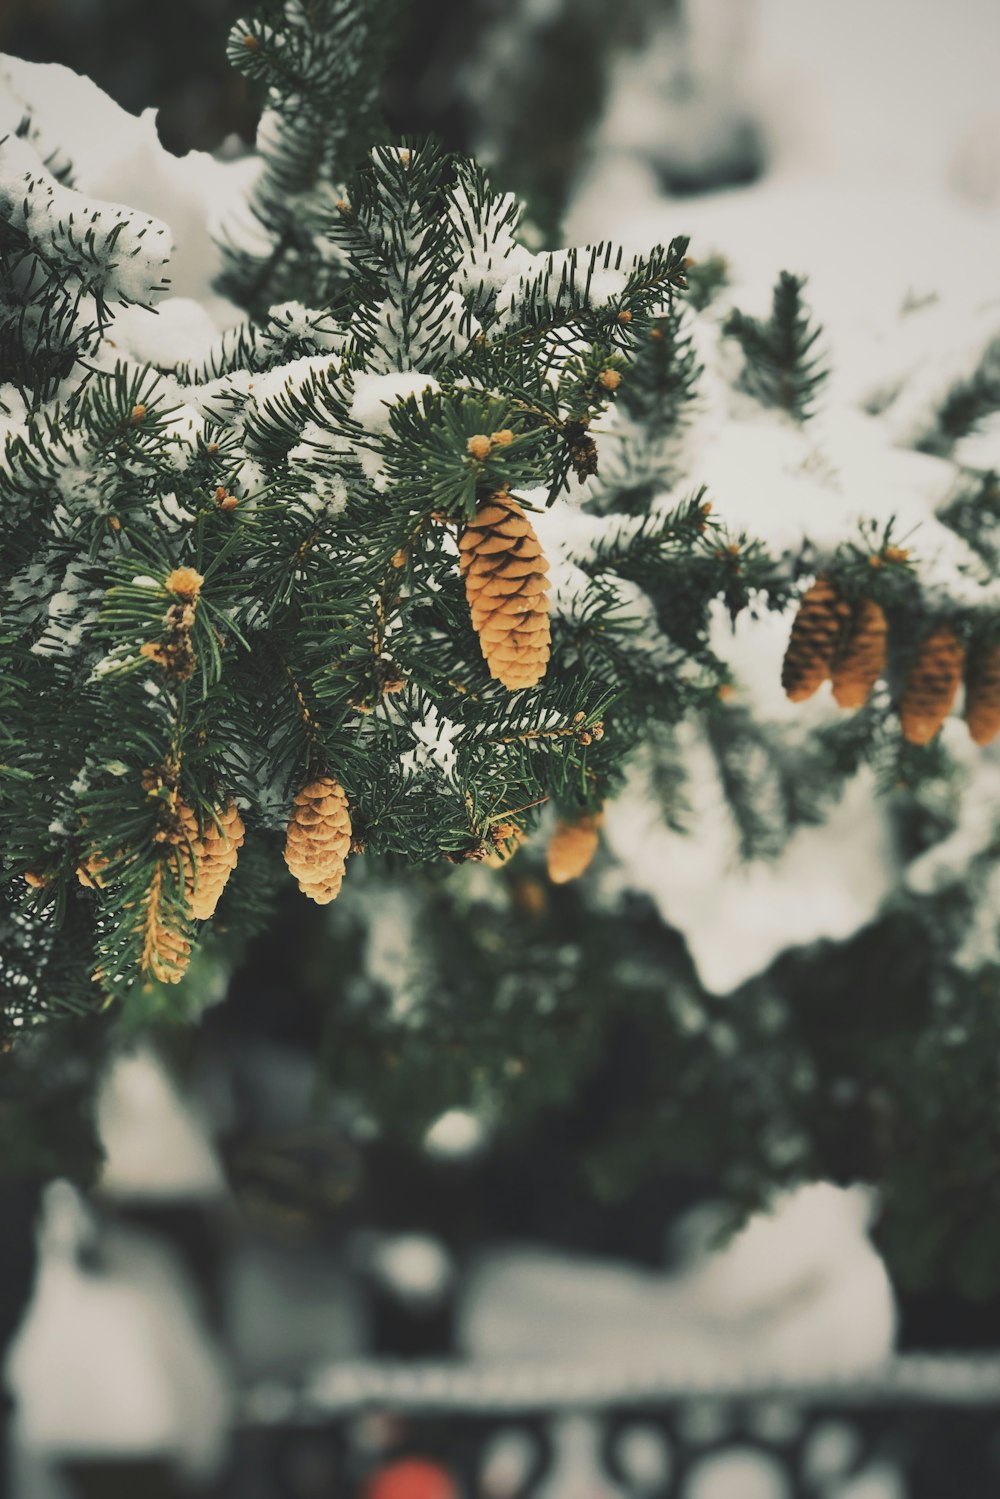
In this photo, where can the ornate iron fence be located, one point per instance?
(920, 1427)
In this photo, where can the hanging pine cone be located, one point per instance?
(209, 857)
(862, 657)
(932, 685)
(816, 633)
(505, 584)
(571, 848)
(319, 839)
(982, 693)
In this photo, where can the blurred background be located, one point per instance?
(204, 1268)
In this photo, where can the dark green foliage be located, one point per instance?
(973, 510)
(46, 1104)
(844, 1061)
(783, 366)
(706, 278)
(320, 84)
(663, 376)
(967, 404)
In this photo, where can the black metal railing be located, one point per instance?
(919, 1427)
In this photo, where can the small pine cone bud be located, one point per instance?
(90, 871)
(319, 839)
(571, 848)
(506, 838)
(504, 571)
(479, 446)
(34, 880)
(862, 657)
(982, 694)
(816, 633)
(503, 438)
(185, 582)
(209, 857)
(932, 685)
(609, 379)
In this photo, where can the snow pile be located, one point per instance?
(155, 1146)
(738, 916)
(112, 155)
(117, 1360)
(800, 1291)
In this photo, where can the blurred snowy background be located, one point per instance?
(859, 143)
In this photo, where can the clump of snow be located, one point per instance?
(800, 1291)
(375, 395)
(434, 744)
(113, 154)
(327, 491)
(371, 406)
(178, 329)
(109, 250)
(118, 1360)
(415, 1267)
(154, 1144)
(737, 917)
(455, 1134)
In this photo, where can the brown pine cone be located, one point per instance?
(209, 857)
(504, 572)
(571, 848)
(982, 693)
(816, 634)
(319, 839)
(932, 685)
(862, 656)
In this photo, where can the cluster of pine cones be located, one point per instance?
(846, 644)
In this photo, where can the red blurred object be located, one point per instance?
(413, 1478)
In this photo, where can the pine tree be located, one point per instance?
(247, 582)
(233, 594)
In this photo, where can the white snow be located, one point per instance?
(116, 155)
(455, 1134)
(115, 1361)
(800, 1292)
(416, 1267)
(434, 743)
(737, 917)
(155, 1147)
(375, 395)
(178, 329)
(58, 221)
